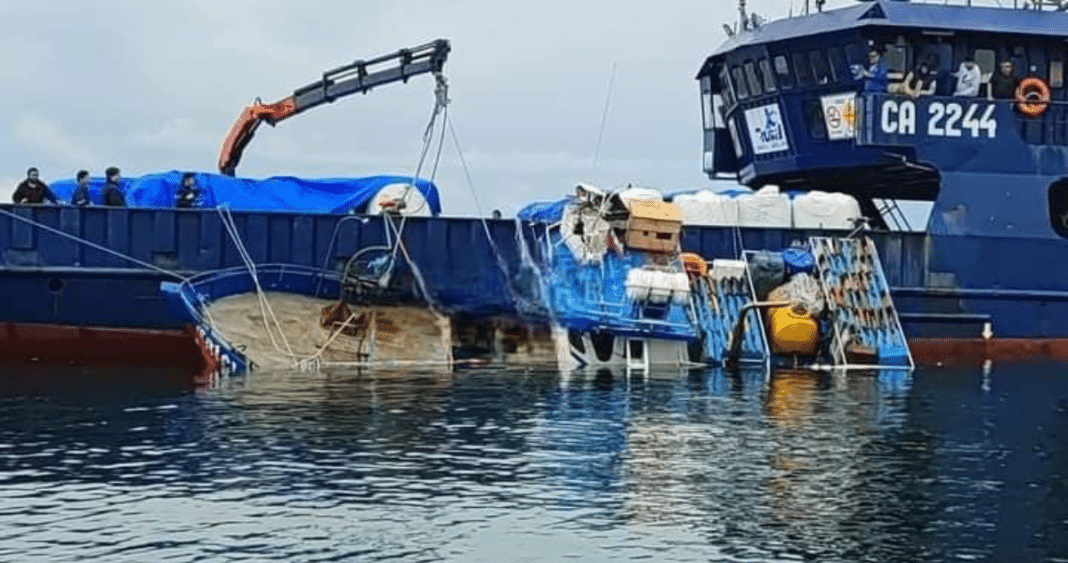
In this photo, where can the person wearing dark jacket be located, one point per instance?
(81, 192)
(33, 190)
(1003, 83)
(112, 194)
(187, 192)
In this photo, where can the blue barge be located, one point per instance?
(786, 103)
(63, 282)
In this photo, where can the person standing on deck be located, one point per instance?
(81, 192)
(1004, 82)
(187, 191)
(876, 77)
(33, 190)
(112, 194)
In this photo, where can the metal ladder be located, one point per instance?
(637, 364)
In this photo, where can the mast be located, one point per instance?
(744, 20)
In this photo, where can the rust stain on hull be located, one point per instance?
(975, 351)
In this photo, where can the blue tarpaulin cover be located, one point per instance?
(544, 211)
(279, 193)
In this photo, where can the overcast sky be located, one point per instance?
(154, 85)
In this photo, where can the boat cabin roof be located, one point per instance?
(899, 14)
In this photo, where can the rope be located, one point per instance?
(441, 101)
(501, 264)
(604, 117)
(265, 306)
(397, 244)
(94, 245)
(302, 362)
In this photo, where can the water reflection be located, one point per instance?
(472, 465)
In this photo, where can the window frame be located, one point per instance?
(783, 74)
(767, 75)
(756, 89)
(741, 91)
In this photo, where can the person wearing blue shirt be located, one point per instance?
(81, 192)
(876, 77)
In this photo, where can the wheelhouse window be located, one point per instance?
(820, 68)
(725, 88)
(739, 83)
(1056, 74)
(802, 69)
(735, 140)
(817, 127)
(839, 69)
(987, 61)
(782, 69)
(897, 58)
(856, 55)
(706, 102)
(754, 82)
(769, 77)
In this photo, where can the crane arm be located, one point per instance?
(353, 78)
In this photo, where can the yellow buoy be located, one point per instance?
(792, 331)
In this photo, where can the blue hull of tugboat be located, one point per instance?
(52, 279)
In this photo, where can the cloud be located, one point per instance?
(156, 85)
(181, 133)
(11, 183)
(47, 137)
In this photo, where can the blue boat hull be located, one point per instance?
(54, 271)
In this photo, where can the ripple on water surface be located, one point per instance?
(488, 465)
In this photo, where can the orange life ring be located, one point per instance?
(1032, 96)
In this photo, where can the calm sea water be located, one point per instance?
(533, 466)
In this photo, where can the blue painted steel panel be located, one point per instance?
(143, 225)
(324, 255)
(163, 234)
(438, 231)
(256, 237)
(347, 237)
(22, 233)
(50, 247)
(70, 222)
(94, 229)
(188, 243)
(118, 239)
(231, 256)
(210, 243)
(303, 241)
(280, 239)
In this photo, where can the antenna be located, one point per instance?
(604, 116)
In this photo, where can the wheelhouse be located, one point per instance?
(784, 102)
